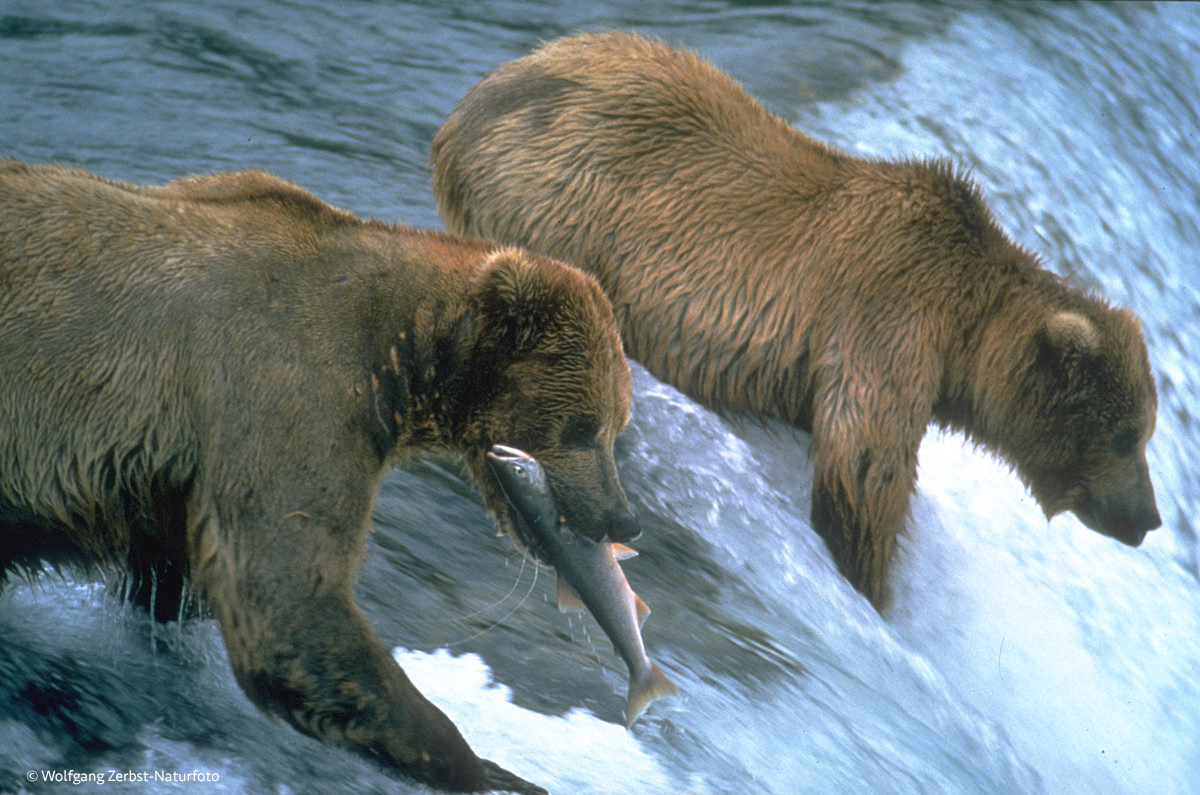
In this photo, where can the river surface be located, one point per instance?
(1021, 656)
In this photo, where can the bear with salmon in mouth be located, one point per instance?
(764, 273)
(203, 384)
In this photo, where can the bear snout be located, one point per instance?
(590, 496)
(1127, 518)
(599, 522)
(623, 527)
(1145, 520)
(1133, 533)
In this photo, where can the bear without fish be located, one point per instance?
(762, 272)
(204, 382)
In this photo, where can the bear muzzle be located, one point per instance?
(617, 524)
(623, 527)
(1127, 517)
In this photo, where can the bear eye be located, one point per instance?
(579, 432)
(1124, 442)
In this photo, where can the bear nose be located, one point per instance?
(1150, 520)
(623, 527)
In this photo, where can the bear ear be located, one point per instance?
(1070, 333)
(516, 303)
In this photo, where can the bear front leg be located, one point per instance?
(301, 649)
(865, 442)
(323, 669)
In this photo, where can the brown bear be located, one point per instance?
(763, 272)
(203, 383)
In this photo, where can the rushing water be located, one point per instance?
(1021, 656)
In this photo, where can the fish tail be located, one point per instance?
(653, 684)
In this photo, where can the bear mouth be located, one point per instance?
(1121, 528)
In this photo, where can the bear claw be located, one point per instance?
(494, 778)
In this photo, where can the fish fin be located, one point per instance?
(622, 552)
(643, 610)
(653, 685)
(568, 600)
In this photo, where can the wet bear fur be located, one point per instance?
(764, 273)
(203, 384)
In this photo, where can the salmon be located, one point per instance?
(590, 570)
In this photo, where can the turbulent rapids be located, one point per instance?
(1020, 655)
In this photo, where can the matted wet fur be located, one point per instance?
(762, 272)
(203, 384)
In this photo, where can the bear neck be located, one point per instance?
(987, 393)
(431, 374)
(427, 378)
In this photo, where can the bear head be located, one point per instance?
(1081, 409)
(550, 379)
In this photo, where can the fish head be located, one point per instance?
(521, 475)
(530, 509)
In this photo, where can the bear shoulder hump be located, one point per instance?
(252, 187)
